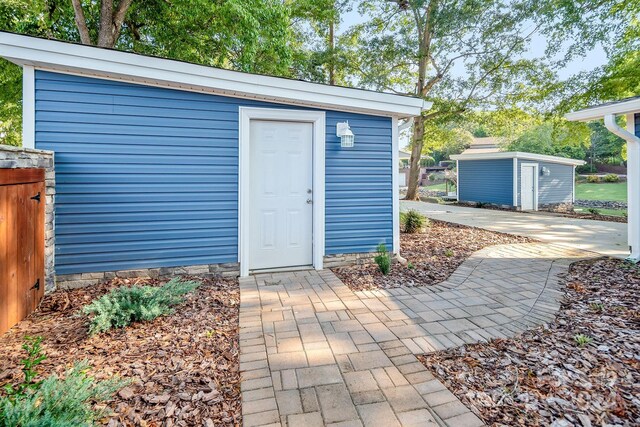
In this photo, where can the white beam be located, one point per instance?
(28, 107)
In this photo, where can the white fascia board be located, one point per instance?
(595, 113)
(106, 63)
(518, 155)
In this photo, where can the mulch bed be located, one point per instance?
(577, 215)
(183, 367)
(434, 254)
(596, 217)
(543, 377)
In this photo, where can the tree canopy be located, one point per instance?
(471, 58)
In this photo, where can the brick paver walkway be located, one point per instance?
(315, 353)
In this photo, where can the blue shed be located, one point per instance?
(162, 164)
(524, 181)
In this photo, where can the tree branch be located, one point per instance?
(81, 22)
(118, 18)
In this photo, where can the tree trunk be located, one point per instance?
(110, 22)
(416, 152)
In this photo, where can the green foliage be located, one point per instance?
(594, 211)
(448, 253)
(593, 179)
(413, 221)
(383, 259)
(612, 177)
(35, 356)
(586, 168)
(410, 266)
(582, 339)
(54, 402)
(125, 305)
(597, 307)
(60, 402)
(554, 137)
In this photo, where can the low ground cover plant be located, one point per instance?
(125, 305)
(55, 401)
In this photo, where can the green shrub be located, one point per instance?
(413, 221)
(448, 253)
(55, 402)
(612, 177)
(594, 211)
(383, 259)
(593, 178)
(125, 305)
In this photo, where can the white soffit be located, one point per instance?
(631, 105)
(112, 64)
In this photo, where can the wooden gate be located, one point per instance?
(22, 199)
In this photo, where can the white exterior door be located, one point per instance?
(281, 180)
(528, 187)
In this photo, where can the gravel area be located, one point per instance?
(545, 376)
(433, 256)
(183, 367)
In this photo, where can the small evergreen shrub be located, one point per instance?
(593, 178)
(413, 221)
(383, 259)
(594, 211)
(55, 402)
(612, 177)
(125, 305)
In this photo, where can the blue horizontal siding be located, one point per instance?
(637, 123)
(148, 177)
(486, 181)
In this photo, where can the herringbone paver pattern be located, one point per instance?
(315, 353)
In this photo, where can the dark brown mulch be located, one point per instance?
(183, 367)
(434, 255)
(596, 217)
(543, 377)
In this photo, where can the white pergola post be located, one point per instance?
(633, 190)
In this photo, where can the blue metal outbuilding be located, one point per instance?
(525, 181)
(153, 161)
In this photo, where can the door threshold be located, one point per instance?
(281, 269)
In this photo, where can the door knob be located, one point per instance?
(309, 191)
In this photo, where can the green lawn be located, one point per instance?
(440, 187)
(615, 192)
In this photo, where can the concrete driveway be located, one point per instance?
(607, 238)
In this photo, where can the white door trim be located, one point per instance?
(317, 118)
(535, 183)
